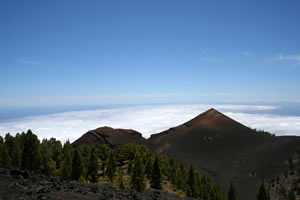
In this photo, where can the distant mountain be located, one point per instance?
(110, 136)
(212, 124)
(226, 150)
(218, 146)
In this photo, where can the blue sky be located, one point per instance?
(114, 52)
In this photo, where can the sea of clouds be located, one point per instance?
(148, 120)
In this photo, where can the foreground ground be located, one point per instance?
(19, 184)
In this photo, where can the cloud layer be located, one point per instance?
(294, 58)
(145, 119)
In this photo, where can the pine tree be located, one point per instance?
(102, 151)
(56, 148)
(179, 180)
(198, 184)
(155, 181)
(291, 195)
(16, 155)
(67, 162)
(137, 175)
(172, 170)
(77, 165)
(1, 151)
(262, 193)
(191, 182)
(232, 192)
(148, 168)
(5, 158)
(48, 165)
(21, 139)
(31, 157)
(129, 168)
(93, 166)
(85, 154)
(180, 174)
(120, 179)
(9, 142)
(173, 175)
(111, 166)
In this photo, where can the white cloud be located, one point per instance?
(280, 125)
(246, 53)
(295, 58)
(145, 119)
(88, 100)
(224, 94)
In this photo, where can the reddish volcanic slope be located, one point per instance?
(110, 136)
(226, 150)
(210, 121)
(213, 119)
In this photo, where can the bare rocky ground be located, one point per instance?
(26, 185)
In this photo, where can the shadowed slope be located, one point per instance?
(226, 150)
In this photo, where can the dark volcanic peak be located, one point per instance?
(110, 136)
(208, 121)
(212, 110)
(213, 119)
(208, 116)
(226, 150)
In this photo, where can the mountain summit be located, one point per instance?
(213, 119)
(209, 125)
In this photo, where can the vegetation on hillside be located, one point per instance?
(126, 166)
(286, 185)
(263, 132)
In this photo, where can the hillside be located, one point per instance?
(110, 136)
(226, 150)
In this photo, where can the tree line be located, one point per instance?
(91, 164)
(129, 165)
